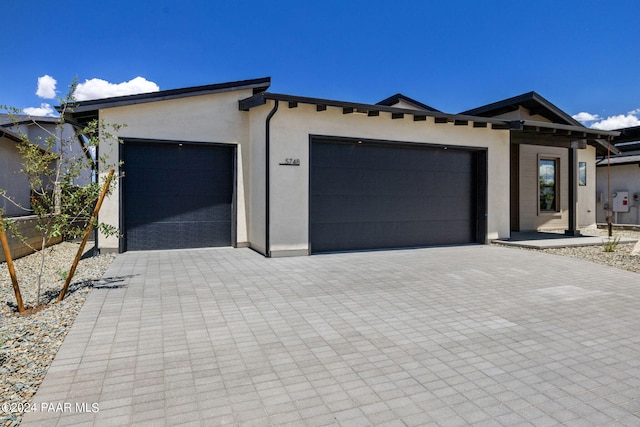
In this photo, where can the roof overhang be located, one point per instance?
(630, 134)
(619, 161)
(85, 111)
(10, 135)
(371, 110)
(522, 131)
(535, 103)
(544, 133)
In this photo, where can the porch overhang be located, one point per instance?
(559, 135)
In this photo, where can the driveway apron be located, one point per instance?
(437, 336)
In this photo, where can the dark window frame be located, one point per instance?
(549, 195)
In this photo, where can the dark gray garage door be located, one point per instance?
(380, 195)
(177, 195)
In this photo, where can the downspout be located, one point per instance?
(267, 140)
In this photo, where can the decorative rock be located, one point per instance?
(28, 343)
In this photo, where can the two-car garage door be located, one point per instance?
(383, 195)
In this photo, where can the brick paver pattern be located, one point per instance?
(470, 335)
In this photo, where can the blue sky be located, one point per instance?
(454, 55)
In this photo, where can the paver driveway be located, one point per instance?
(452, 336)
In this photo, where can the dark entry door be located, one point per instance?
(380, 195)
(177, 195)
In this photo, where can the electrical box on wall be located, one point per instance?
(620, 201)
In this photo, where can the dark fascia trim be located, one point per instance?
(520, 99)
(261, 99)
(394, 99)
(630, 134)
(578, 130)
(260, 84)
(595, 137)
(10, 135)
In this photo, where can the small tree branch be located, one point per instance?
(105, 189)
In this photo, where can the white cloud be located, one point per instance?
(98, 88)
(46, 87)
(617, 122)
(44, 110)
(585, 117)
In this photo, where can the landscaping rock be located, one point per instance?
(29, 342)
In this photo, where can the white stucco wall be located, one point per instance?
(216, 118)
(213, 118)
(290, 131)
(623, 178)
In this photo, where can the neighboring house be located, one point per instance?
(39, 128)
(17, 187)
(622, 178)
(234, 165)
(12, 181)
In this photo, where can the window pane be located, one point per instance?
(582, 173)
(548, 180)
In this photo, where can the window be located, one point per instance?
(548, 185)
(582, 173)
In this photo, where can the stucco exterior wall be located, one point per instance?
(290, 131)
(213, 118)
(587, 193)
(530, 216)
(623, 178)
(15, 184)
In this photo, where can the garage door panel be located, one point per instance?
(355, 208)
(367, 196)
(369, 157)
(385, 182)
(383, 235)
(177, 195)
(158, 212)
(177, 235)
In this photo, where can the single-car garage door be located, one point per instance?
(382, 195)
(177, 195)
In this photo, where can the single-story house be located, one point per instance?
(618, 175)
(232, 164)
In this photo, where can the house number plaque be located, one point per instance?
(290, 162)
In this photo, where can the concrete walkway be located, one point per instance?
(472, 335)
(551, 240)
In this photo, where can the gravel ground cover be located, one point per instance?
(620, 258)
(28, 343)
